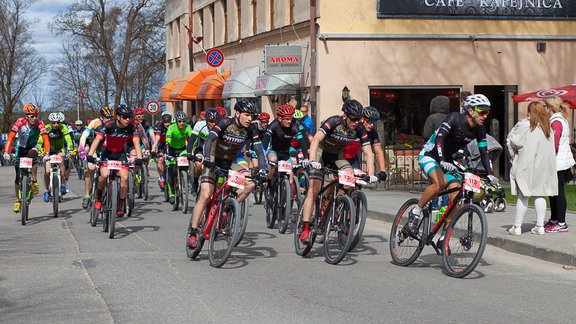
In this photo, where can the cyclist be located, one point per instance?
(327, 149)
(370, 118)
(279, 135)
(28, 129)
(247, 153)
(145, 129)
(159, 146)
(117, 134)
(106, 114)
(60, 141)
(435, 159)
(77, 132)
(196, 142)
(176, 139)
(220, 149)
(67, 152)
(223, 112)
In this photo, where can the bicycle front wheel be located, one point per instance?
(270, 206)
(131, 192)
(405, 249)
(243, 221)
(24, 188)
(55, 193)
(113, 196)
(339, 231)
(224, 233)
(184, 191)
(193, 253)
(145, 180)
(361, 205)
(464, 241)
(284, 206)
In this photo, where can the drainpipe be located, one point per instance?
(313, 111)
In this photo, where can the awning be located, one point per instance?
(164, 93)
(187, 88)
(241, 84)
(277, 84)
(212, 86)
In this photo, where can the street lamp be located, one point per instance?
(345, 94)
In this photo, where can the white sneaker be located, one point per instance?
(515, 230)
(538, 230)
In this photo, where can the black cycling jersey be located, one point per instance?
(229, 136)
(454, 134)
(338, 136)
(280, 138)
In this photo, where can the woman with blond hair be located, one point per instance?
(564, 163)
(533, 172)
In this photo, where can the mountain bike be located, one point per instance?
(111, 195)
(181, 189)
(333, 216)
(278, 203)
(55, 182)
(464, 227)
(95, 214)
(143, 178)
(79, 164)
(25, 193)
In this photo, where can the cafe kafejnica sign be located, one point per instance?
(487, 9)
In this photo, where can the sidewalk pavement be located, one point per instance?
(553, 247)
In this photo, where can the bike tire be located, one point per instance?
(300, 248)
(284, 208)
(105, 210)
(24, 188)
(224, 233)
(55, 194)
(113, 194)
(80, 170)
(270, 206)
(166, 194)
(145, 181)
(500, 204)
(94, 216)
(296, 202)
(243, 222)
(131, 198)
(404, 250)
(193, 253)
(184, 191)
(464, 241)
(361, 203)
(339, 230)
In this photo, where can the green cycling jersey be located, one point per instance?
(58, 137)
(176, 138)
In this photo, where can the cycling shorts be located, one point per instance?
(210, 175)
(334, 161)
(429, 165)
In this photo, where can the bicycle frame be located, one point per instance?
(214, 206)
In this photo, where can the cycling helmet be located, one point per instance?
(180, 116)
(138, 111)
(223, 111)
(298, 114)
(166, 117)
(31, 109)
(264, 116)
(203, 114)
(61, 117)
(352, 108)
(53, 117)
(371, 113)
(212, 115)
(124, 111)
(477, 100)
(106, 112)
(78, 123)
(244, 105)
(286, 110)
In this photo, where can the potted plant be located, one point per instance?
(408, 144)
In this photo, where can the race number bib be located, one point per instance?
(346, 178)
(182, 161)
(284, 166)
(25, 163)
(471, 182)
(55, 159)
(114, 165)
(236, 179)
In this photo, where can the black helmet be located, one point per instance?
(180, 116)
(244, 105)
(212, 115)
(166, 118)
(106, 112)
(124, 111)
(371, 113)
(352, 108)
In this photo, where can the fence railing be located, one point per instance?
(404, 173)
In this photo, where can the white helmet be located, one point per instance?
(53, 117)
(477, 100)
(61, 117)
(78, 123)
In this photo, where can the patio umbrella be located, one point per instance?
(567, 93)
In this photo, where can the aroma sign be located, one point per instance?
(282, 59)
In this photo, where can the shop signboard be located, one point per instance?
(486, 9)
(283, 59)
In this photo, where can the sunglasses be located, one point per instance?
(354, 120)
(55, 123)
(126, 117)
(181, 122)
(285, 118)
(32, 116)
(371, 121)
(481, 112)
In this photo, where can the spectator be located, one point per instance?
(463, 96)
(439, 107)
(564, 163)
(531, 148)
(307, 121)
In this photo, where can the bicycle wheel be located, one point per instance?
(166, 194)
(299, 248)
(403, 248)
(131, 196)
(144, 182)
(284, 208)
(361, 203)
(296, 201)
(184, 191)
(24, 188)
(94, 216)
(257, 192)
(339, 231)
(193, 253)
(464, 241)
(80, 169)
(113, 195)
(55, 194)
(224, 233)
(105, 209)
(270, 205)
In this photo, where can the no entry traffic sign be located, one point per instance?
(214, 57)
(153, 107)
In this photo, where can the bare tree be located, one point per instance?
(20, 65)
(119, 32)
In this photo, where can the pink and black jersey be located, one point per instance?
(338, 136)
(116, 137)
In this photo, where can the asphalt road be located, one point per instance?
(64, 270)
